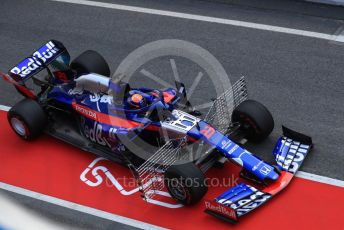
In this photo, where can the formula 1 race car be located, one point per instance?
(80, 104)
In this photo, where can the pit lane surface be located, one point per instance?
(298, 78)
(71, 178)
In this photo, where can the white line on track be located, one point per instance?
(321, 179)
(330, 2)
(251, 25)
(340, 37)
(4, 108)
(78, 207)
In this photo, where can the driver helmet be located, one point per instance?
(137, 101)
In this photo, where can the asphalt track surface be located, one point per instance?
(300, 79)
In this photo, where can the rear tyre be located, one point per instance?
(27, 119)
(186, 183)
(255, 120)
(91, 61)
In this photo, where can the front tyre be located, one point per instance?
(27, 119)
(185, 183)
(255, 120)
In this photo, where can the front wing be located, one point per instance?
(290, 151)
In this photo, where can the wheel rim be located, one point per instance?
(248, 124)
(18, 126)
(178, 190)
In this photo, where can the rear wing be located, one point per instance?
(39, 60)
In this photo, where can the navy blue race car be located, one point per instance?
(153, 131)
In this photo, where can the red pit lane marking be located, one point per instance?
(50, 170)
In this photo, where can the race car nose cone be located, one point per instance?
(273, 176)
